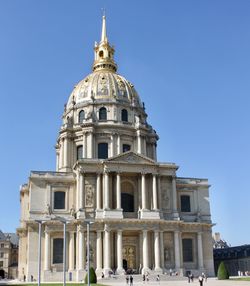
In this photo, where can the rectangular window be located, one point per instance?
(185, 203)
(187, 249)
(79, 152)
(2, 245)
(125, 148)
(57, 250)
(59, 200)
(1, 254)
(102, 150)
(1, 263)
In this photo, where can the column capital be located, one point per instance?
(107, 228)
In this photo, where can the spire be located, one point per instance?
(104, 52)
(104, 31)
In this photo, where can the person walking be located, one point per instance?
(131, 280)
(200, 279)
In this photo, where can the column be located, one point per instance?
(138, 142)
(159, 192)
(200, 250)
(98, 191)
(57, 160)
(143, 191)
(106, 188)
(61, 153)
(71, 250)
(118, 144)
(90, 145)
(145, 251)
(107, 265)
(118, 191)
(145, 146)
(81, 248)
(65, 152)
(47, 251)
(98, 250)
(174, 197)
(119, 252)
(177, 250)
(84, 144)
(157, 250)
(162, 249)
(154, 151)
(112, 146)
(81, 190)
(154, 187)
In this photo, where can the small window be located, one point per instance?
(101, 54)
(125, 148)
(79, 152)
(57, 250)
(124, 115)
(59, 200)
(1, 254)
(81, 116)
(1, 263)
(102, 113)
(187, 248)
(2, 245)
(185, 204)
(102, 150)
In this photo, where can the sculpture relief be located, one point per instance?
(89, 196)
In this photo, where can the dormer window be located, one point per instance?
(185, 203)
(124, 115)
(81, 116)
(79, 152)
(101, 54)
(102, 113)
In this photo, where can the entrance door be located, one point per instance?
(2, 273)
(125, 264)
(129, 255)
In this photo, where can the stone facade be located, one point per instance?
(145, 217)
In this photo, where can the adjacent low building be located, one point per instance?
(8, 255)
(145, 218)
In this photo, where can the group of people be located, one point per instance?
(201, 278)
(129, 280)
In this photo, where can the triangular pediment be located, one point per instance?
(131, 157)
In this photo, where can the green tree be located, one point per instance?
(92, 276)
(222, 273)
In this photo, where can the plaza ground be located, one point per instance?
(174, 282)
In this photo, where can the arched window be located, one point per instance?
(79, 152)
(185, 203)
(127, 202)
(124, 115)
(81, 116)
(102, 113)
(127, 197)
(101, 54)
(102, 150)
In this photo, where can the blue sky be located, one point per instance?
(189, 61)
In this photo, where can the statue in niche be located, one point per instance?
(73, 211)
(48, 210)
(89, 196)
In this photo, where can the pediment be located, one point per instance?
(131, 157)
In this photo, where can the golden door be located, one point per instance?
(129, 255)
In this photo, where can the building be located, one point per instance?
(236, 259)
(145, 217)
(8, 255)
